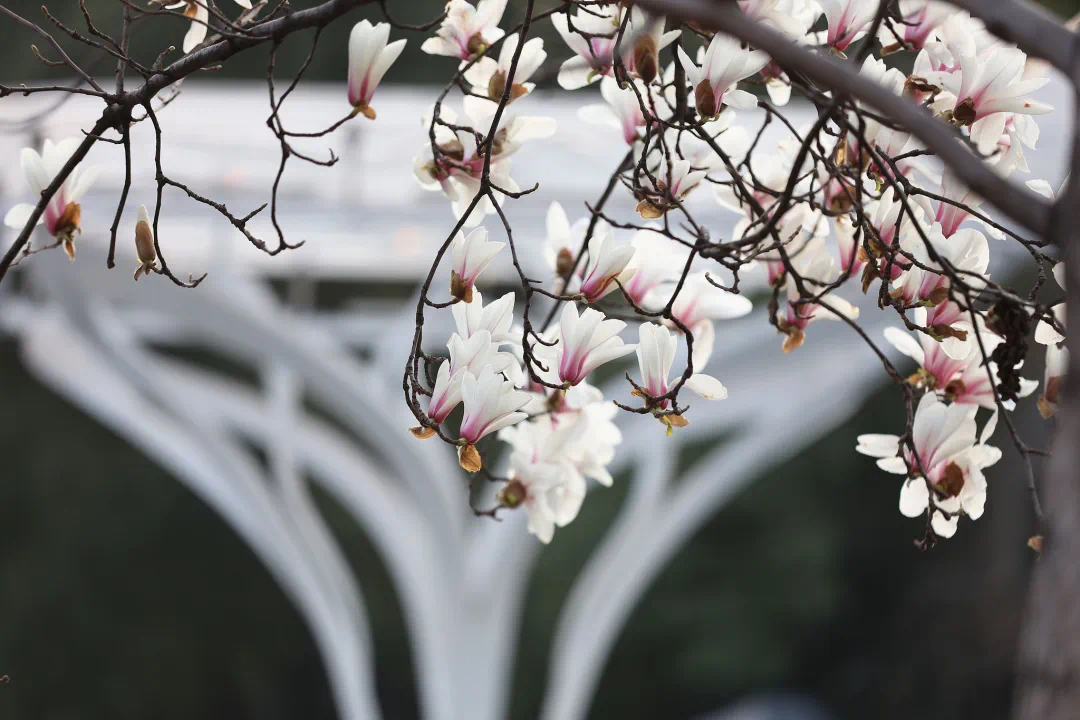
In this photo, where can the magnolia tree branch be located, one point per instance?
(1018, 203)
(117, 114)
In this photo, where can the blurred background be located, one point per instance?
(136, 582)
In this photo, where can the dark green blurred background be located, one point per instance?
(122, 596)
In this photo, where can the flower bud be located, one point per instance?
(705, 100)
(646, 58)
(144, 244)
(564, 261)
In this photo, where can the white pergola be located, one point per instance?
(89, 334)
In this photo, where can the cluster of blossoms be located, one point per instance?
(849, 203)
(837, 203)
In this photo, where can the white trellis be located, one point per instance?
(86, 333)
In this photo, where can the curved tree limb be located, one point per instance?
(1019, 203)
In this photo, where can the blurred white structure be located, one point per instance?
(90, 335)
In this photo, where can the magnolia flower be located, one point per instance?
(488, 77)
(672, 181)
(585, 343)
(715, 83)
(470, 254)
(197, 12)
(882, 215)
(656, 259)
(817, 269)
(946, 458)
(565, 241)
(593, 42)
(920, 19)
(956, 372)
(543, 480)
(369, 59)
(965, 250)
(491, 403)
(471, 354)
(467, 31)
(788, 16)
(496, 319)
(655, 353)
(63, 213)
(696, 306)
(607, 264)
(460, 166)
(992, 86)
(144, 244)
(622, 111)
(847, 19)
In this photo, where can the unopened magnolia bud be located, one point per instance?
(144, 237)
(469, 458)
(564, 261)
(705, 100)
(646, 58)
(144, 244)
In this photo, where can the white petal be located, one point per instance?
(18, 216)
(880, 446)
(707, 387)
(914, 498)
(944, 526)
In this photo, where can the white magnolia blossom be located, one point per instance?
(585, 342)
(675, 180)
(496, 318)
(369, 59)
(63, 214)
(622, 110)
(655, 352)
(607, 267)
(947, 459)
(491, 403)
(594, 43)
(657, 259)
(471, 354)
(920, 19)
(459, 169)
(488, 76)
(1057, 355)
(722, 66)
(198, 12)
(470, 255)
(467, 30)
(817, 269)
(847, 20)
(699, 303)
